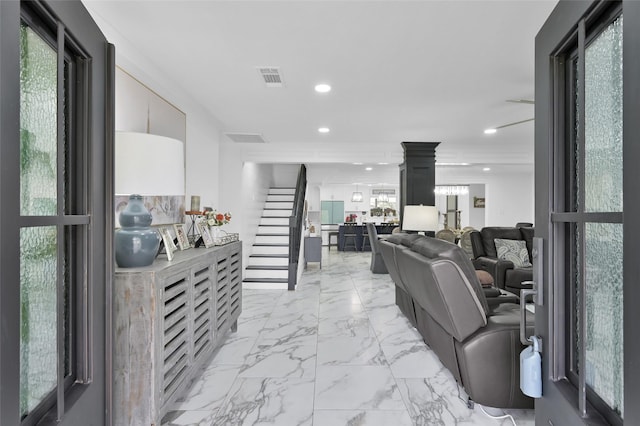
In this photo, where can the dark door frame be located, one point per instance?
(85, 403)
(559, 404)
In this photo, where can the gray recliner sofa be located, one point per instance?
(485, 257)
(438, 290)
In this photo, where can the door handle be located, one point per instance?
(523, 315)
(538, 269)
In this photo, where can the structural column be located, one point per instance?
(418, 175)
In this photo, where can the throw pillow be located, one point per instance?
(513, 250)
(485, 278)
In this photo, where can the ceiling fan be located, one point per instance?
(515, 101)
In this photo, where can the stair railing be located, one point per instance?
(296, 226)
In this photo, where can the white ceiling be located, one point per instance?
(400, 70)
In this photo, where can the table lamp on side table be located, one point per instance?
(420, 218)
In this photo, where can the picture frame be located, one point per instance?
(203, 229)
(181, 234)
(478, 202)
(167, 239)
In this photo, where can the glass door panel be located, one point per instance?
(38, 125)
(603, 282)
(603, 193)
(603, 121)
(38, 277)
(38, 197)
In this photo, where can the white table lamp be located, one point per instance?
(420, 218)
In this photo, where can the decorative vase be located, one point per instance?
(136, 243)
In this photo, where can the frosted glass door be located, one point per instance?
(56, 151)
(602, 266)
(582, 218)
(38, 197)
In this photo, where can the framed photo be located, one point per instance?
(167, 239)
(203, 229)
(181, 235)
(478, 202)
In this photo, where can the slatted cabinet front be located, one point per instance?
(203, 310)
(176, 341)
(169, 318)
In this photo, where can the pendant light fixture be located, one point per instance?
(356, 197)
(383, 196)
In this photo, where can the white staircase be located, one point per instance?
(268, 266)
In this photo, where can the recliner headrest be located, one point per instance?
(403, 239)
(434, 248)
(490, 233)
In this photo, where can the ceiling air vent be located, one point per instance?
(246, 137)
(271, 76)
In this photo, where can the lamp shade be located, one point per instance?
(148, 164)
(420, 218)
(356, 197)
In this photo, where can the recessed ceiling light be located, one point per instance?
(369, 169)
(490, 131)
(324, 130)
(486, 169)
(452, 164)
(357, 164)
(323, 88)
(382, 164)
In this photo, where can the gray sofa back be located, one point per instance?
(490, 233)
(436, 287)
(433, 248)
(432, 271)
(389, 247)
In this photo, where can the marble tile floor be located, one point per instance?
(337, 351)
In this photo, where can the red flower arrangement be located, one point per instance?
(214, 218)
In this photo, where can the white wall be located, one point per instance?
(476, 214)
(285, 175)
(256, 180)
(509, 199)
(202, 129)
(509, 192)
(313, 197)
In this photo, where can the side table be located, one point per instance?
(192, 233)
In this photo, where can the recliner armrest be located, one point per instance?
(489, 360)
(496, 267)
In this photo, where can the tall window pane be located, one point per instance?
(38, 197)
(603, 121)
(38, 129)
(596, 249)
(38, 125)
(38, 273)
(603, 279)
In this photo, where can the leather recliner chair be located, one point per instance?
(478, 344)
(485, 256)
(377, 262)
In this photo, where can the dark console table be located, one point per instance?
(385, 228)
